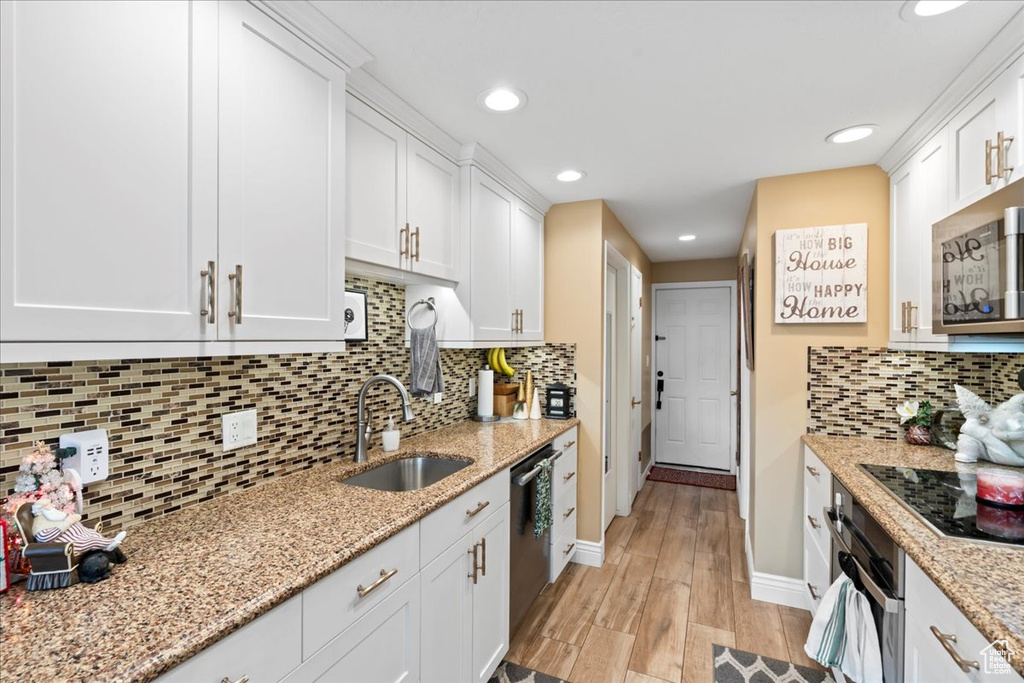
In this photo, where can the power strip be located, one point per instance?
(92, 454)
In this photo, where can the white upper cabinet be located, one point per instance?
(493, 211)
(108, 169)
(528, 272)
(904, 251)
(376, 191)
(403, 210)
(1011, 119)
(282, 182)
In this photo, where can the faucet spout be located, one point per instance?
(364, 428)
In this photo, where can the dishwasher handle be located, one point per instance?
(889, 604)
(524, 479)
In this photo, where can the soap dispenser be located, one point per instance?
(390, 435)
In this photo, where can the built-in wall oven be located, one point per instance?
(863, 550)
(978, 266)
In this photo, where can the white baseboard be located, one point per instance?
(780, 590)
(643, 475)
(588, 553)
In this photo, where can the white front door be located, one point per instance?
(610, 392)
(693, 357)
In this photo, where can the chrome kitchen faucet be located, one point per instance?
(364, 428)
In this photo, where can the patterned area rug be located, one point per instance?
(737, 666)
(706, 479)
(507, 672)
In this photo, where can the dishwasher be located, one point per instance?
(528, 570)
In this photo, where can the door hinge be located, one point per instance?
(641, 303)
(639, 456)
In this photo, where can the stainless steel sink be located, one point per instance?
(407, 474)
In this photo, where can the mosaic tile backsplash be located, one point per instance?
(163, 415)
(854, 391)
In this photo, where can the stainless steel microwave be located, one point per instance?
(978, 266)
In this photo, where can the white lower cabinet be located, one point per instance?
(933, 619)
(265, 650)
(563, 513)
(817, 541)
(465, 594)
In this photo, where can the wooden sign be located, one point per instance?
(821, 274)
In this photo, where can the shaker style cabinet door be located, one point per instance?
(905, 248)
(446, 588)
(433, 211)
(375, 150)
(968, 132)
(282, 183)
(528, 271)
(108, 170)
(493, 213)
(491, 596)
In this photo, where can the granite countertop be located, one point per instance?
(985, 581)
(196, 575)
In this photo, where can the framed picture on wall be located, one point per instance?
(747, 306)
(356, 325)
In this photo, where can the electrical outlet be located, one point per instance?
(472, 387)
(92, 454)
(438, 397)
(238, 429)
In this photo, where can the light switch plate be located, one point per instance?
(238, 429)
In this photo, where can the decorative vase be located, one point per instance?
(919, 435)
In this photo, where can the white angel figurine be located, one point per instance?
(994, 434)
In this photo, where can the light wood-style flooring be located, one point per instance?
(674, 582)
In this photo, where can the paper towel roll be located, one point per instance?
(485, 393)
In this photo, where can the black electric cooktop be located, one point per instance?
(946, 502)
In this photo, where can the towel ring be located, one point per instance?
(429, 302)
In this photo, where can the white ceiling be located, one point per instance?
(673, 109)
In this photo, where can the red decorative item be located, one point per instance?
(5, 569)
(1001, 486)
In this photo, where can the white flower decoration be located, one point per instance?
(908, 410)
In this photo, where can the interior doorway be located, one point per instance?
(695, 375)
(622, 354)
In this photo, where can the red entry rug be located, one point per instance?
(708, 480)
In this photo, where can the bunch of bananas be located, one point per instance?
(496, 359)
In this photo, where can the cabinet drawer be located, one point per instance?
(928, 606)
(817, 577)
(333, 604)
(563, 514)
(382, 647)
(815, 530)
(265, 650)
(566, 440)
(562, 552)
(564, 474)
(447, 524)
(817, 483)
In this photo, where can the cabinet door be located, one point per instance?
(493, 212)
(491, 596)
(528, 271)
(433, 211)
(968, 132)
(375, 150)
(282, 182)
(932, 189)
(905, 247)
(1010, 87)
(382, 647)
(108, 169)
(446, 589)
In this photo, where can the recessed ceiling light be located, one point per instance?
(570, 175)
(919, 9)
(852, 134)
(502, 100)
(687, 238)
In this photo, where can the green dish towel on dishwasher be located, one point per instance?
(542, 515)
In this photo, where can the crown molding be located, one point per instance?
(377, 95)
(317, 27)
(473, 153)
(994, 58)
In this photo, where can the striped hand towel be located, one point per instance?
(843, 634)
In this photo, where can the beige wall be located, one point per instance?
(701, 270)
(849, 195)
(574, 237)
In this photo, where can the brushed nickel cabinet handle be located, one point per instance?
(569, 512)
(403, 242)
(236, 307)
(569, 549)
(384, 576)
(210, 277)
(989, 175)
(911, 316)
(633, 403)
(568, 445)
(1002, 144)
(815, 524)
(483, 551)
(904, 327)
(569, 476)
(814, 593)
(243, 679)
(416, 236)
(476, 511)
(814, 471)
(476, 566)
(947, 640)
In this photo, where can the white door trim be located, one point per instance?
(733, 345)
(620, 403)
